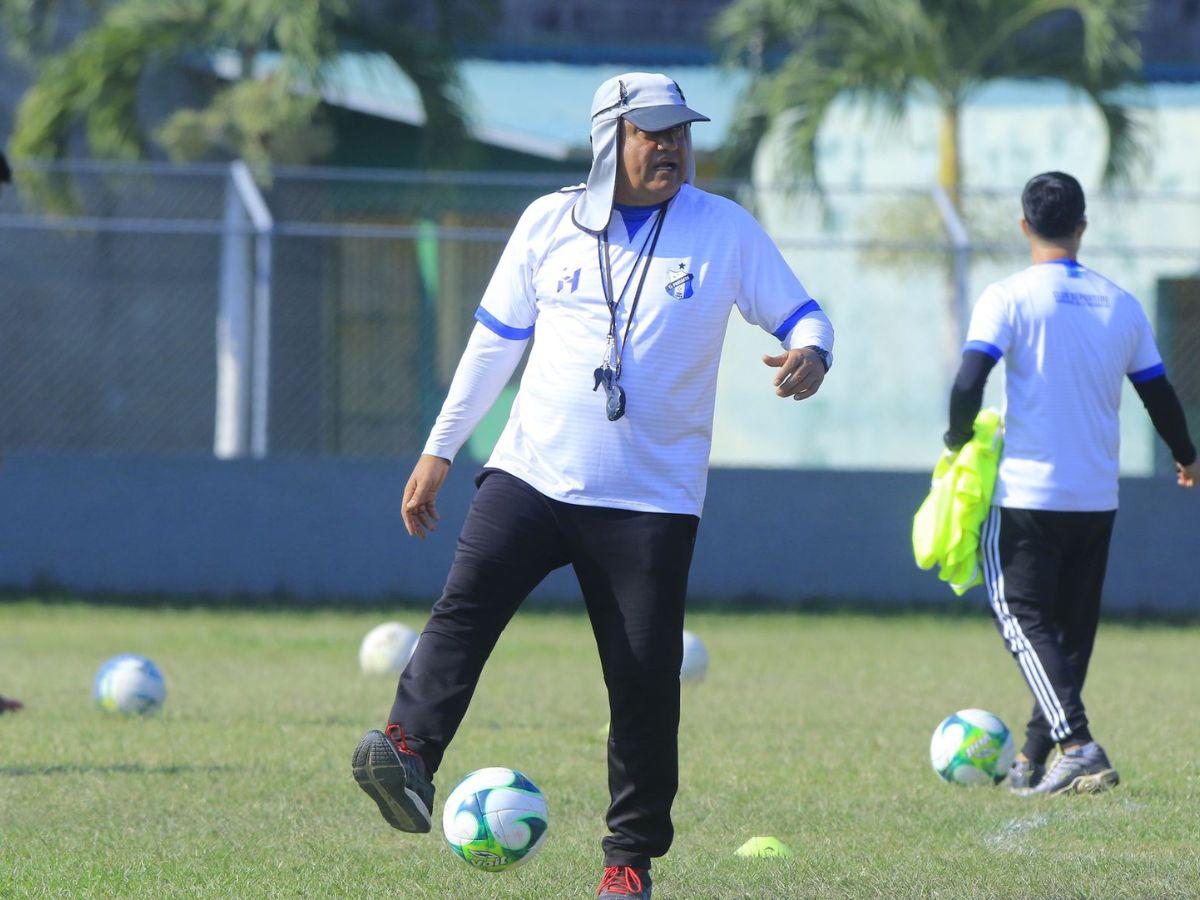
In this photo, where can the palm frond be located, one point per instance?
(871, 50)
(1097, 35)
(95, 80)
(753, 33)
(879, 51)
(28, 27)
(736, 155)
(1128, 150)
(1060, 54)
(431, 67)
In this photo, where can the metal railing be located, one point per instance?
(149, 308)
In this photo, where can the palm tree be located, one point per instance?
(96, 80)
(26, 26)
(808, 53)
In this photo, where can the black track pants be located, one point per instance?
(633, 569)
(1044, 571)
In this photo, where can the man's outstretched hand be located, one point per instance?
(418, 508)
(800, 373)
(1187, 476)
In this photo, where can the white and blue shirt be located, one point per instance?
(1069, 337)
(711, 257)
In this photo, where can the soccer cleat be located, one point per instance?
(395, 778)
(1084, 770)
(623, 883)
(1024, 775)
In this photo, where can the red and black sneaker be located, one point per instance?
(624, 883)
(395, 778)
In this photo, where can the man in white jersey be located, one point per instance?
(1069, 337)
(625, 285)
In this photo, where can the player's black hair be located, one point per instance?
(1053, 204)
(5, 171)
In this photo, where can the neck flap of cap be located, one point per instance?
(593, 207)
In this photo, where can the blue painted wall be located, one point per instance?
(317, 528)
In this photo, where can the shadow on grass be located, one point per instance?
(112, 769)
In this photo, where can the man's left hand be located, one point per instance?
(800, 373)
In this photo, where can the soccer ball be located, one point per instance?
(387, 649)
(495, 819)
(129, 684)
(695, 658)
(972, 747)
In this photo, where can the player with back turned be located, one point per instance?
(625, 287)
(1069, 337)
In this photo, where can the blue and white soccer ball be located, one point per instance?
(695, 658)
(495, 819)
(972, 747)
(129, 684)
(387, 648)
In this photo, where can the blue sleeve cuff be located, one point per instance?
(984, 347)
(789, 323)
(1146, 374)
(505, 331)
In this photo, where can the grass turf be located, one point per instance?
(813, 728)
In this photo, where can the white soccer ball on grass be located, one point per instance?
(495, 819)
(695, 658)
(972, 747)
(387, 649)
(129, 684)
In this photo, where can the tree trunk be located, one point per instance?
(958, 259)
(949, 158)
(247, 55)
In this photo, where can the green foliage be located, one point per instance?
(812, 728)
(27, 27)
(915, 222)
(258, 121)
(811, 52)
(96, 80)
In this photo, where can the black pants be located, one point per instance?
(633, 570)
(1044, 572)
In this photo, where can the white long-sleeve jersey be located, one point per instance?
(711, 256)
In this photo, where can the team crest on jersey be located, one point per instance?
(679, 281)
(568, 279)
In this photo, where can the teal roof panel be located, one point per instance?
(540, 108)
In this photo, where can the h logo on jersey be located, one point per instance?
(679, 282)
(568, 278)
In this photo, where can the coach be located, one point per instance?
(625, 287)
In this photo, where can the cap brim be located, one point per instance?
(663, 118)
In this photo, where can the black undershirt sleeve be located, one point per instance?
(1166, 413)
(966, 397)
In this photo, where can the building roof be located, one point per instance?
(539, 108)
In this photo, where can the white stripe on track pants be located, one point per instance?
(1044, 572)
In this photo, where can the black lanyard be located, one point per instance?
(606, 285)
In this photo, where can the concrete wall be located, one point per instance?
(316, 527)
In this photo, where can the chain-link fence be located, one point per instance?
(107, 311)
(147, 308)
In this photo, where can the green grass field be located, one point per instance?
(812, 728)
